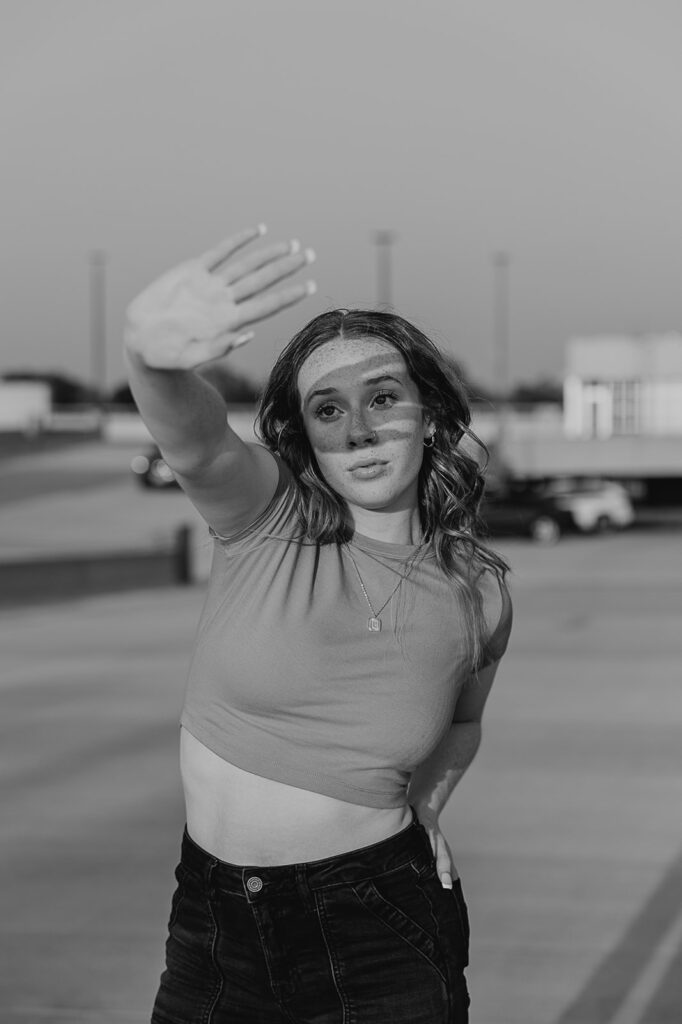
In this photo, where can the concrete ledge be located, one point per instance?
(39, 580)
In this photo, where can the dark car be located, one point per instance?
(152, 470)
(504, 512)
(524, 513)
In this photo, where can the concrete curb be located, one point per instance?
(40, 580)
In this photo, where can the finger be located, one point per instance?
(206, 351)
(236, 270)
(253, 310)
(444, 867)
(212, 259)
(278, 270)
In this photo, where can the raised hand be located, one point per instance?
(195, 312)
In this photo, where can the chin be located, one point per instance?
(373, 501)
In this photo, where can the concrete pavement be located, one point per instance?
(566, 830)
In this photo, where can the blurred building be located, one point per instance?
(623, 386)
(25, 406)
(621, 419)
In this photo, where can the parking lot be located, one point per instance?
(566, 829)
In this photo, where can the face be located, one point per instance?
(365, 422)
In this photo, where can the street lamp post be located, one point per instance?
(501, 263)
(384, 241)
(98, 335)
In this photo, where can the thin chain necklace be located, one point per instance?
(374, 622)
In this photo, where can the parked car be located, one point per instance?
(152, 470)
(524, 513)
(595, 505)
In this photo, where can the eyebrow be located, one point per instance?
(367, 381)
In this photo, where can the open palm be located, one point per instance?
(195, 312)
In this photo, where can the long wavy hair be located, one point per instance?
(450, 482)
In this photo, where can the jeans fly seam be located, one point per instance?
(274, 987)
(322, 915)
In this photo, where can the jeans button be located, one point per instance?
(254, 884)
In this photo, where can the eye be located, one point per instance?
(385, 399)
(325, 412)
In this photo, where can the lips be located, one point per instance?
(367, 462)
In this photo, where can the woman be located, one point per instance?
(350, 636)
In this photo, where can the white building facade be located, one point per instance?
(623, 386)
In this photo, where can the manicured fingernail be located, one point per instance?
(262, 228)
(294, 245)
(310, 287)
(310, 256)
(446, 881)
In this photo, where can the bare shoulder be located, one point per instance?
(233, 490)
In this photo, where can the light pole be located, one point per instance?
(98, 332)
(384, 241)
(501, 263)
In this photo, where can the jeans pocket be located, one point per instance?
(450, 913)
(398, 901)
(462, 913)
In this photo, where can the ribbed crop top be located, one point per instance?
(287, 682)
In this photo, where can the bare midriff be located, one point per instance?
(244, 818)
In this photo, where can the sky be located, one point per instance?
(150, 129)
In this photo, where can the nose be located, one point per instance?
(360, 432)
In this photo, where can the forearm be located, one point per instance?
(183, 412)
(434, 780)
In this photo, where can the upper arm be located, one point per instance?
(234, 488)
(476, 689)
(474, 694)
(499, 617)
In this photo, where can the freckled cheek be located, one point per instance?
(331, 439)
(397, 426)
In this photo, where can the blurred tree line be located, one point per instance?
(238, 389)
(66, 390)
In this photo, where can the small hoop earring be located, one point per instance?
(432, 439)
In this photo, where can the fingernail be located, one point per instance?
(310, 287)
(262, 228)
(294, 246)
(446, 881)
(310, 255)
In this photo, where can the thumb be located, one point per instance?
(207, 351)
(241, 339)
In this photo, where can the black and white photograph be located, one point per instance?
(341, 512)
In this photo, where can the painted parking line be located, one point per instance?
(665, 1006)
(656, 997)
(620, 979)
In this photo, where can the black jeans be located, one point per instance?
(368, 937)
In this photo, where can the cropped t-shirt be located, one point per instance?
(286, 681)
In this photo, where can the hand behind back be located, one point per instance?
(194, 313)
